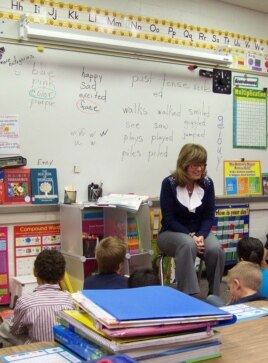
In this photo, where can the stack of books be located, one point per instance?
(149, 324)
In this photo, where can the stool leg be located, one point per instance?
(161, 269)
(200, 269)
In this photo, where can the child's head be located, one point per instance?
(244, 279)
(250, 249)
(110, 254)
(143, 277)
(49, 267)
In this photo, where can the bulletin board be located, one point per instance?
(98, 118)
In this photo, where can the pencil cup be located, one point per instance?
(94, 194)
(69, 196)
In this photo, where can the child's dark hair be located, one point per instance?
(143, 277)
(49, 266)
(250, 249)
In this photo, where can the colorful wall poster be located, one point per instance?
(250, 118)
(4, 276)
(242, 177)
(29, 240)
(9, 134)
(231, 223)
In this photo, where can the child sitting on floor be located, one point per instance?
(35, 312)
(251, 249)
(243, 281)
(110, 255)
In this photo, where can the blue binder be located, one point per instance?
(153, 302)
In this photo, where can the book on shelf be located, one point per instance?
(2, 187)
(44, 185)
(133, 235)
(157, 304)
(17, 185)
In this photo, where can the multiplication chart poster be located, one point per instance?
(250, 118)
(4, 286)
(29, 240)
(231, 223)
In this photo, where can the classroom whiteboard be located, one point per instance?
(119, 121)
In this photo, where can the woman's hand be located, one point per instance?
(200, 244)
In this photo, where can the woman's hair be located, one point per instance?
(110, 253)
(190, 154)
(250, 249)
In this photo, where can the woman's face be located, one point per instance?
(194, 171)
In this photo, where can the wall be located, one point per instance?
(119, 121)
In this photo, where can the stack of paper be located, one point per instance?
(130, 202)
(150, 324)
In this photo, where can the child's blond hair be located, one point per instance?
(248, 273)
(110, 253)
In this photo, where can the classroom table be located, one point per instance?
(245, 341)
(242, 342)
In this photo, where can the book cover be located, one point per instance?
(17, 184)
(264, 177)
(2, 187)
(44, 184)
(133, 236)
(46, 353)
(77, 344)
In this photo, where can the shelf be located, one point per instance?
(29, 208)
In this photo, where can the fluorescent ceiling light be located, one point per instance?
(117, 46)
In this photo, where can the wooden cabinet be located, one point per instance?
(81, 224)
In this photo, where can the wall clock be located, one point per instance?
(222, 81)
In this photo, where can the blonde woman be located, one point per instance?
(187, 202)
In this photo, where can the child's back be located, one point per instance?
(110, 255)
(35, 313)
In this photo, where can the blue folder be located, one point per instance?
(152, 302)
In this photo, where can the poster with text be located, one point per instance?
(29, 241)
(231, 223)
(9, 134)
(242, 177)
(4, 277)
